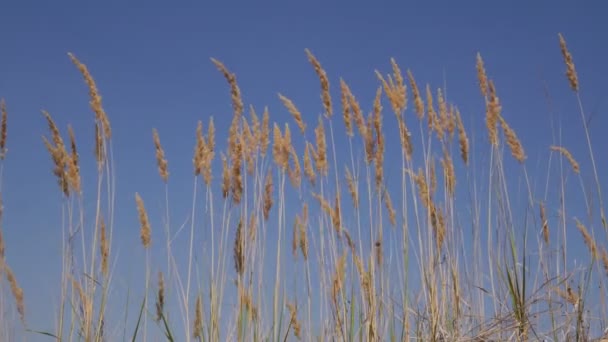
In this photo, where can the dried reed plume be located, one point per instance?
(16, 290)
(389, 207)
(303, 239)
(568, 295)
(72, 163)
(493, 109)
(268, 189)
(346, 98)
(295, 172)
(235, 92)
(321, 150)
(144, 231)
(513, 142)
(293, 320)
(198, 319)
(239, 249)
(160, 298)
(236, 177)
(99, 153)
(564, 152)
(605, 260)
(448, 172)
(3, 129)
(338, 278)
(225, 177)
(161, 161)
(418, 102)
(104, 248)
(544, 223)
(352, 188)
(309, 171)
(589, 241)
(462, 139)
(58, 154)
(570, 69)
(265, 132)
(433, 120)
(325, 97)
(95, 97)
(406, 141)
(293, 110)
(481, 76)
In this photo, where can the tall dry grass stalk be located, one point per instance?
(3, 128)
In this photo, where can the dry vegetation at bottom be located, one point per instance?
(310, 244)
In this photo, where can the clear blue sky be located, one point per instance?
(151, 64)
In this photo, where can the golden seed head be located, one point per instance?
(235, 92)
(589, 241)
(95, 97)
(418, 103)
(161, 161)
(72, 164)
(481, 76)
(268, 190)
(346, 97)
(239, 250)
(564, 152)
(321, 150)
(513, 142)
(462, 139)
(144, 231)
(293, 110)
(544, 223)
(570, 69)
(160, 298)
(325, 97)
(493, 109)
(104, 247)
(198, 318)
(352, 188)
(16, 290)
(308, 169)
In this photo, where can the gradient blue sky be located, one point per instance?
(151, 64)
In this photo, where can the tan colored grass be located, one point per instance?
(256, 129)
(481, 76)
(145, 231)
(295, 172)
(570, 69)
(160, 297)
(338, 278)
(293, 320)
(58, 154)
(433, 118)
(448, 172)
(236, 176)
(161, 161)
(321, 150)
(462, 139)
(268, 190)
(443, 112)
(99, 152)
(239, 249)
(450, 125)
(388, 203)
(345, 100)
(605, 260)
(568, 295)
(352, 188)
(252, 228)
(517, 149)
(418, 102)
(248, 147)
(309, 171)
(564, 152)
(589, 241)
(198, 319)
(16, 290)
(303, 238)
(235, 91)
(73, 167)
(225, 177)
(493, 109)
(265, 132)
(3, 129)
(294, 111)
(406, 140)
(544, 223)
(104, 248)
(324, 80)
(95, 97)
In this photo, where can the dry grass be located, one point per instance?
(423, 250)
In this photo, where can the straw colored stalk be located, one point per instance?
(462, 139)
(198, 319)
(309, 171)
(564, 152)
(294, 111)
(144, 232)
(493, 109)
(303, 238)
(99, 152)
(570, 69)
(264, 139)
(239, 250)
(517, 150)
(73, 168)
(160, 298)
(58, 154)
(161, 161)
(268, 190)
(544, 222)
(323, 79)
(235, 92)
(95, 97)
(352, 188)
(104, 248)
(321, 150)
(346, 99)
(589, 241)
(418, 102)
(481, 76)
(16, 290)
(293, 320)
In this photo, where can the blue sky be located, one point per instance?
(151, 64)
